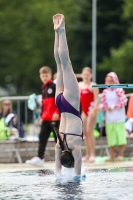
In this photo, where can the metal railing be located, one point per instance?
(18, 99)
(16, 151)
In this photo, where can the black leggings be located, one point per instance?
(46, 128)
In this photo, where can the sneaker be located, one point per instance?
(88, 160)
(85, 159)
(131, 158)
(120, 158)
(91, 159)
(36, 161)
(109, 159)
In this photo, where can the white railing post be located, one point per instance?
(94, 33)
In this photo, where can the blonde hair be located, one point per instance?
(87, 69)
(45, 70)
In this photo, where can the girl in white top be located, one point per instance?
(113, 101)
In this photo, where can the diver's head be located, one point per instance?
(67, 159)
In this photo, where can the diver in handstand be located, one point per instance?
(68, 102)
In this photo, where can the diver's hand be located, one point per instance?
(109, 109)
(55, 117)
(40, 121)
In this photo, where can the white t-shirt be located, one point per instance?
(116, 115)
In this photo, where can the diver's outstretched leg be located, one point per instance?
(71, 91)
(59, 80)
(71, 88)
(59, 88)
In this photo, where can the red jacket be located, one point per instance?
(48, 101)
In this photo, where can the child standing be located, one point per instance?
(89, 103)
(113, 102)
(49, 114)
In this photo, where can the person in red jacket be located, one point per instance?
(49, 114)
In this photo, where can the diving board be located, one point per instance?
(127, 86)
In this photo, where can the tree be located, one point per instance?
(121, 59)
(27, 37)
(27, 40)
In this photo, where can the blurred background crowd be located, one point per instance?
(27, 43)
(27, 40)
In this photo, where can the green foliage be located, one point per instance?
(128, 9)
(121, 59)
(27, 36)
(110, 29)
(27, 40)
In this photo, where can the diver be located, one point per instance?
(68, 147)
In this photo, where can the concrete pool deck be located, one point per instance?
(51, 165)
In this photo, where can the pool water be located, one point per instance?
(116, 184)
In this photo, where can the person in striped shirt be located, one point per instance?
(113, 102)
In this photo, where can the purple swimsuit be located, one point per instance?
(64, 106)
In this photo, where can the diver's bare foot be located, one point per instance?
(58, 20)
(55, 21)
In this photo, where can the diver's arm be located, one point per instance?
(57, 158)
(77, 159)
(95, 93)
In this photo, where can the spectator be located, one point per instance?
(49, 114)
(89, 103)
(11, 121)
(4, 130)
(37, 113)
(34, 104)
(113, 101)
(129, 127)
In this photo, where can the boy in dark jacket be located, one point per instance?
(49, 114)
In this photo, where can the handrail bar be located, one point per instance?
(26, 97)
(14, 98)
